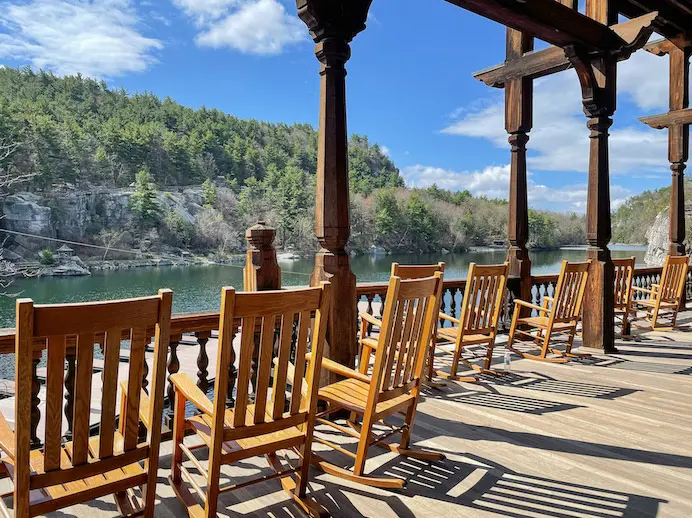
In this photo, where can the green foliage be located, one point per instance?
(209, 193)
(46, 257)
(181, 232)
(78, 130)
(143, 203)
(637, 214)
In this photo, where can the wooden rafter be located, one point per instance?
(666, 120)
(548, 20)
(551, 60)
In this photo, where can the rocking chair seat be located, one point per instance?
(352, 394)
(451, 333)
(652, 304)
(244, 448)
(543, 322)
(98, 484)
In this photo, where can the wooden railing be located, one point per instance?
(195, 329)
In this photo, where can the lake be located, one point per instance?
(197, 288)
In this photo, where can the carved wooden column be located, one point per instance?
(261, 270)
(518, 122)
(678, 147)
(597, 76)
(333, 24)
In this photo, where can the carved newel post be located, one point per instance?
(333, 24)
(261, 270)
(261, 273)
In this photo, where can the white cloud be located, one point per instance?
(250, 26)
(559, 139)
(385, 150)
(493, 182)
(205, 9)
(98, 39)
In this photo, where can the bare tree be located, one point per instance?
(110, 238)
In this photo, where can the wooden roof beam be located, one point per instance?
(552, 60)
(666, 120)
(547, 20)
(676, 17)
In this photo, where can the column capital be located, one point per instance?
(338, 19)
(599, 125)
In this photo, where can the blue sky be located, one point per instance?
(410, 87)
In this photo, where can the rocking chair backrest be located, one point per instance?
(410, 314)
(272, 315)
(416, 271)
(624, 272)
(569, 292)
(482, 303)
(673, 278)
(82, 326)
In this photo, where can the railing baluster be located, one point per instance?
(232, 375)
(173, 367)
(203, 361)
(35, 401)
(70, 378)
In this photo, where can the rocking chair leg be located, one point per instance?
(362, 453)
(489, 355)
(178, 434)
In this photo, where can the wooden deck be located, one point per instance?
(604, 437)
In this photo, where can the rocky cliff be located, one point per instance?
(657, 236)
(77, 215)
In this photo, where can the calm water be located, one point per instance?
(197, 288)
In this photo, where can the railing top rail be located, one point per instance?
(201, 321)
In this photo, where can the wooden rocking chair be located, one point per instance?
(367, 344)
(559, 314)
(665, 297)
(270, 424)
(480, 314)
(61, 475)
(410, 312)
(624, 273)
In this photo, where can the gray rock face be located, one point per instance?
(657, 237)
(24, 212)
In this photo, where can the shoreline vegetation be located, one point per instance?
(133, 173)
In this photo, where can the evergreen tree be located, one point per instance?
(143, 203)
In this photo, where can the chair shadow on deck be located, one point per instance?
(489, 397)
(463, 480)
(615, 362)
(543, 383)
(476, 483)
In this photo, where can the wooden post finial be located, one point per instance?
(261, 270)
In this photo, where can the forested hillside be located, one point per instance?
(138, 171)
(633, 219)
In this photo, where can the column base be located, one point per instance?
(598, 313)
(341, 344)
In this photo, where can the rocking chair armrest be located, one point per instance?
(450, 318)
(644, 290)
(519, 302)
(6, 437)
(192, 392)
(144, 404)
(341, 370)
(370, 319)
